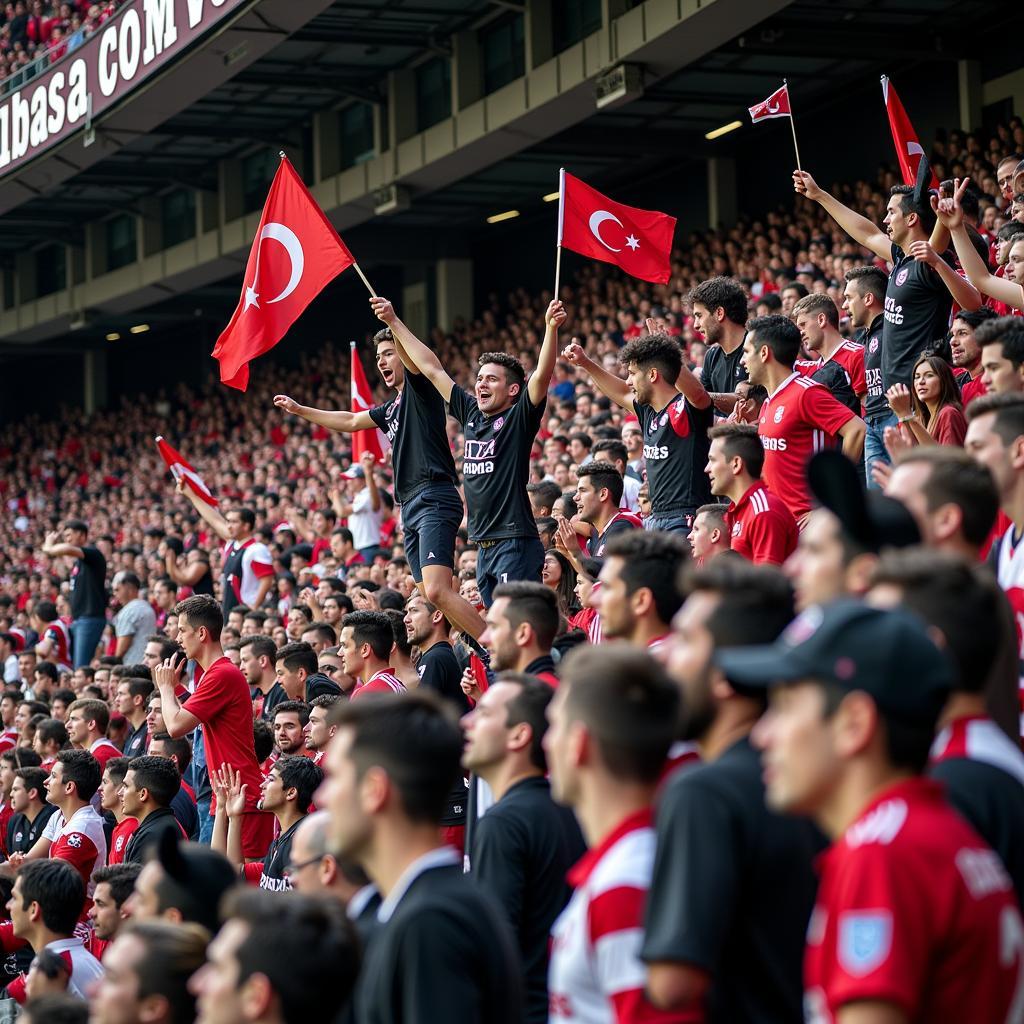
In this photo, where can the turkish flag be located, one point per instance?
(362, 401)
(180, 469)
(908, 149)
(777, 105)
(296, 252)
(638, 241)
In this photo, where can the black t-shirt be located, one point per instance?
(722, 371)
(22, 833)
(875, 403)
(445, 955)
(415, 424)
(496, 467)
(837, 380)
(316, 686)
(992, 801)
(523, 848)
(676, 451)
(88, 589)
(597, 541)
(149, 833)
(917, 307)
(733, 889)
(275, 862)
(438, 669)
(135, 742)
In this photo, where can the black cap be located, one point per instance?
(885, 652)
(868, 518)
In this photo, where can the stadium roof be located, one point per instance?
(824, 48)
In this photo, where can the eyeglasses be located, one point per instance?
(293, 869)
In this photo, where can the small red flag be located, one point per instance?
(908, 149)
(638, 241)
(180, 469)
(281, 279)
(362, 401)
(777, 105)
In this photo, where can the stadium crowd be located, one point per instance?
(30, 29)
(667, 670)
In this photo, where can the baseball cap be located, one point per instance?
(869, 518)
(885, 652)
(354, 473)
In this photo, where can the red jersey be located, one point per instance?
(1009, 555)
(6, 813)
(762, 529)
(972, 389)
(59, 634)
(8, 740)
(384, 681)
(850, 356)
(103, 750)
(221, 702)
(119, 840)
(914, 910)
(799, 418)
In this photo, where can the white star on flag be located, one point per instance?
(633, 242)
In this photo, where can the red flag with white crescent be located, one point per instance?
(908, 150)
(777, 105)
(638, 241)
(295, 254)
(362, 401)
(181, 470)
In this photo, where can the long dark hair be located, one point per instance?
(949, 393)
(565, 590)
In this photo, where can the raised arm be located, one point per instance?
(951, 214)
(607, 383)
(964, 293)
(537, 389)
(187, 577)
(859, 228)
(687, 381)
(369, 463)
(413, 352)
(210, 515)
(179, 722)
(337, 420)
(53, 547)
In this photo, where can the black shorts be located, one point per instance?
(430, 521)
(514, 558)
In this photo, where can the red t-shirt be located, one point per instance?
(103, 751)
(914, 910)
(762, 529)
(949, 427)
(850, 356)
(972, 389)
(119, 840)
(801, 417)
(221, 702)
(384, 681)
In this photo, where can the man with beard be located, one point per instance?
(290, 718)
(438, 668)
(733, 884)
(966, 352)
(391, 767)
(720, 314)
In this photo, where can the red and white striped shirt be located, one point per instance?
(596, 975)
(80, 841)
(384, 681)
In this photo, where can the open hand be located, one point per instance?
(168, 673)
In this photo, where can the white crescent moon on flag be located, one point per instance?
(287, 238)
(597, 218)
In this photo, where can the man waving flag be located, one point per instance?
(180, 469)
(374, 440)
(638, 241)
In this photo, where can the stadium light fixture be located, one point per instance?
(499, 217)
(113, 336)
(551, 197)
(139, 329)
(724, 130)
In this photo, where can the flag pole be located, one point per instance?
(558, 244)
(362, 277)
(792, 125)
